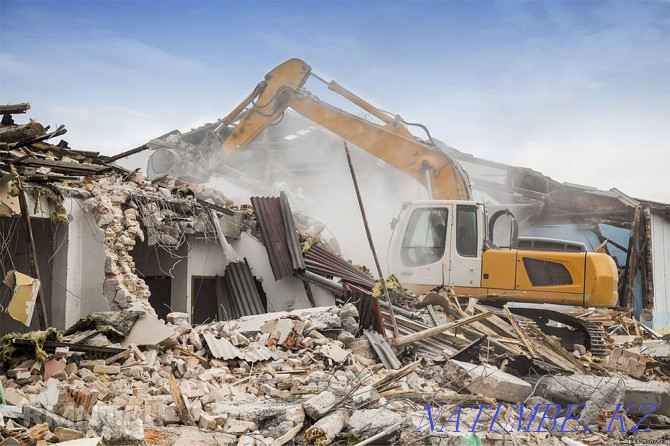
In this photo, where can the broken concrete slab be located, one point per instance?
(49, 397)
(577, 389)
(15, 397)
(148, 330)
(320, 404)
(324, 431)
(36, 415)
(489, 380)
(11, 411)
(261, 411)
(372, 421)
(123, 432)
(654, 348)
(239, 427)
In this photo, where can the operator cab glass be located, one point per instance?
(425, 237)
(466, 233)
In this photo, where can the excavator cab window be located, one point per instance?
(425, 237)
(466, 235)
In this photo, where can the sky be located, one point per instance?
(579, 90)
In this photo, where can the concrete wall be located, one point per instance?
(205, 258)
(660, 246)
(78, 268)
(71, 262)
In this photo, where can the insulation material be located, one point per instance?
(9, 202)
(25, 288)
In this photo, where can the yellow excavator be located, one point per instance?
(444, 240)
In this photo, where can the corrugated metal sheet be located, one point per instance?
(237, 294)
(222, 348)
(320, 261)
(268, 212)
(369, 313)
(291, 234)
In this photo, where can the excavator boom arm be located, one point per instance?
(391, 142)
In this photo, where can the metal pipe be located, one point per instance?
(401, 311)
(396, 333)
(322, 281)
(362, 103)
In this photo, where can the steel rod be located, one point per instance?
(396, 333)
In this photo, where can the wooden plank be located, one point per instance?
(557, 348)
(397, 374)
(32, 254)
(498, 324)
(112, 359)
(415, 337)
(14, 109)
(66, 166)
(520, 333)
(443, 337)
(179, 402)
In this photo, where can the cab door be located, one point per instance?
(465, 262)
(419, 251)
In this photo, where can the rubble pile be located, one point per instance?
(307, 377)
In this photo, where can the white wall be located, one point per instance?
(204, 259)
(78, 268)
(660, 245)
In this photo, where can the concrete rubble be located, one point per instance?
(299, 393)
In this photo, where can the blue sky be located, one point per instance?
(577, 90)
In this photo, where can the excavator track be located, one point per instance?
(594, 337)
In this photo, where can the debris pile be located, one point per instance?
(312, 377)
(433, 369)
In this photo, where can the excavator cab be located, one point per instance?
(438, 242)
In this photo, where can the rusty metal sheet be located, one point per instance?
(268, 212)
(324, 263)
(237, 294)
(291, 234)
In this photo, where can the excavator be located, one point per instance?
(445, 240)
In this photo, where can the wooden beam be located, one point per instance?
(14, 109)
(32, 254)
(520, 333)
(427, 333)
(556, 347)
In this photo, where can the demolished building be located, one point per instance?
(105, 238)
(242, 354)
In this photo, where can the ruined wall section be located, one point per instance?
(122, 286)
